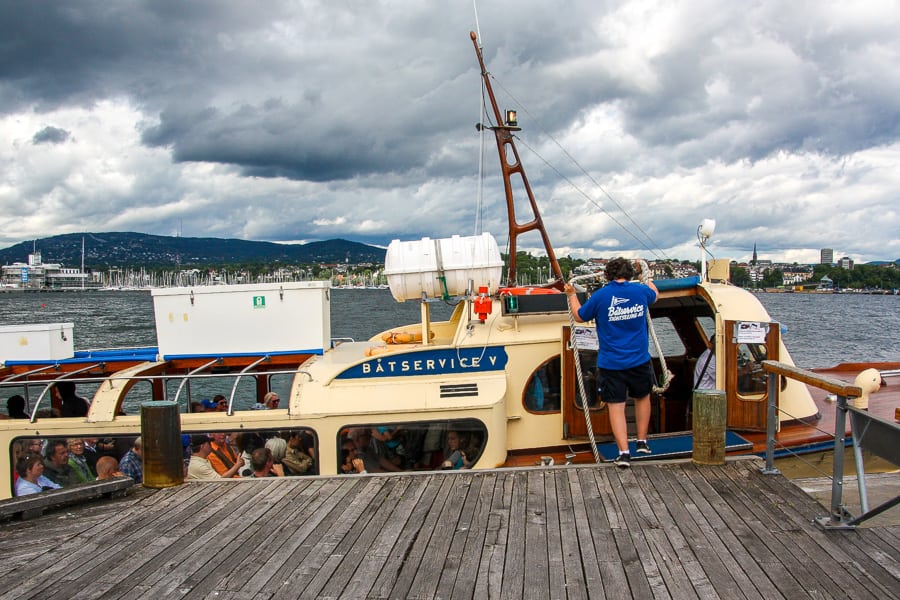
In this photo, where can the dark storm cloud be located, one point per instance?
(331, 118)
(50, 135)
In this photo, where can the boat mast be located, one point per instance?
(507, 149)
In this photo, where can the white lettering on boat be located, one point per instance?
(432, 362)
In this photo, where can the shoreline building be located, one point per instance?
(36, 274)
(826, 256)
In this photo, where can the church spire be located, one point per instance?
(754, 254)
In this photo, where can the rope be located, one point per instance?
(580, 379)
(667, 374)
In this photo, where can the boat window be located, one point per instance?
(410, 446)
(708, 324)
(668, 337)
(296, 449)
(751, 376)
(542, 392)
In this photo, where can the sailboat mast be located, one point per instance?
(511, 165)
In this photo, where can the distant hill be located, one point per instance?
(126, 249)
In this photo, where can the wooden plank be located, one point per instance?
(401, 564)
(34, 505)
(601, 508)
(658, 530)
(475, 541)
(423, 521)
(489, 579)
(811, 545)
(574, 564)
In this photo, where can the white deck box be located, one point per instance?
(414, 268)
(248, 319)
(47, 341)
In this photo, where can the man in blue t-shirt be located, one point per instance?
(620, 310)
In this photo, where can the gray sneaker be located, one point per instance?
(642, 448)
(623, 461)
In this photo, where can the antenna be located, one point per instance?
(704, 232)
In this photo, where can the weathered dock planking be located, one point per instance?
(673, 530)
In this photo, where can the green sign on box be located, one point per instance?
(259, 301)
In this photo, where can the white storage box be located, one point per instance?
(47, 341)
(225, 320)
(414, 268)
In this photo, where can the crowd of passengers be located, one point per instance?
(46, 464)
(385, 449)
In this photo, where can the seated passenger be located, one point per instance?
(31, 476)
(458, 455)
(132, 464)
(296, 461)
(200, 467)
(56, 465)
(223, 456)
(373, 461)
(262, 464)
(246, 443)
(107, 468)
(278, 447)
(389, 441)
(15, 406)
(73, 405)
(78, 461)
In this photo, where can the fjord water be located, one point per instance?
(821, 329)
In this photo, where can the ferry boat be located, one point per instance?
(500, 376)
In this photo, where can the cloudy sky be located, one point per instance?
(306, 120)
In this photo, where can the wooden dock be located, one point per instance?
(664, 530)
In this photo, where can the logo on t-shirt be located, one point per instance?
(618, 313)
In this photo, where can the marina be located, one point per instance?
(662, 530)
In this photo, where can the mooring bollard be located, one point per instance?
(161, 440)
(710, 408)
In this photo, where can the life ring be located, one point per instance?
(527, 291)
(404, 337)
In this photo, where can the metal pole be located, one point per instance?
(771, 425)
(837, 482)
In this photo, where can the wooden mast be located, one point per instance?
(510, 165)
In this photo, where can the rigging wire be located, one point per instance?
(659, 254)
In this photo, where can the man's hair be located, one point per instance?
(15, 404)
(52, 445)
(259, 458)
(619, 268)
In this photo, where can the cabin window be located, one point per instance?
(295, 448)
(751, 378)
(411, 445)
(668, 337)
(542, 392)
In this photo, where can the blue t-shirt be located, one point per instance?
(620, 313)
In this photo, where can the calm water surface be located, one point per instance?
(822, 329)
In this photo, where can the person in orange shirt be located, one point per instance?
(223, 456)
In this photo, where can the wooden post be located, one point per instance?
(163, 456)
(710, 408)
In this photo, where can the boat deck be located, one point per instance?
(663, 530)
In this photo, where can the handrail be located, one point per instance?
(237, 380)
(55, 381)
(187, 376)
(829, 384)
(888, 436)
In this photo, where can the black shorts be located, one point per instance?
(617, 385)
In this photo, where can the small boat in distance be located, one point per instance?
(494, 385)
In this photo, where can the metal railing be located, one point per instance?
(868, 432)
